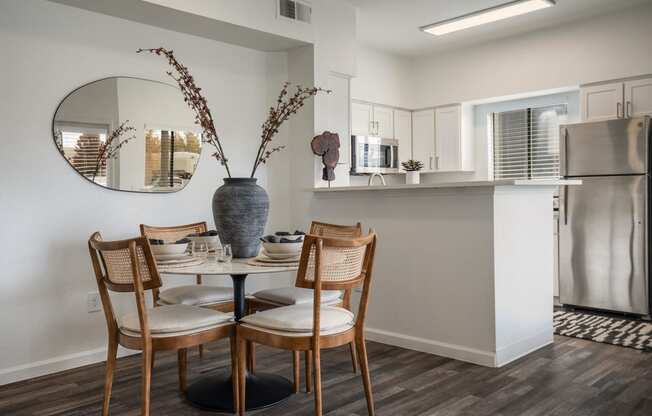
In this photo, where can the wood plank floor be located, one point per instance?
(571, 377)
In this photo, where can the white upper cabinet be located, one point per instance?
(617, 100)
(372, 120)
(403, 133)
(383, 119)
(361, 119)
(423, 138)
(448, 138)
(602, 102)
(638, 97)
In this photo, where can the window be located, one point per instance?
(80, 143)
(526, 142)
(171, 156)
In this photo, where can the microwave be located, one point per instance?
(370, 154)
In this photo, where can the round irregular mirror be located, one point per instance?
(129, 134)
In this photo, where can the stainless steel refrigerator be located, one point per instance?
(603, 224)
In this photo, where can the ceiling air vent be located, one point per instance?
(295, 10)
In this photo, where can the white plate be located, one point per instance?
(280, 256)
(164, 257)
(265, 259)
(188, 259)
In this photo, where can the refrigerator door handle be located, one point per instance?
(564, 161)
(564, 203)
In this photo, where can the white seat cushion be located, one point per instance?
(298, 318)
(174, 318)
(195, 295)
(297, 296)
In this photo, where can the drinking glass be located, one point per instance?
(226, 254)
(199, 249)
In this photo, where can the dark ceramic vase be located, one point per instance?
(240, 209)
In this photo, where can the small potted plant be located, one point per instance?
(412, 168)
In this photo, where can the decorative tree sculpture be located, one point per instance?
(327, 145)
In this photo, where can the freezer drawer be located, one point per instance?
(603, 244)
(614, 147)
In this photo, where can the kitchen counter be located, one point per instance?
(463, 269)
(466, 184)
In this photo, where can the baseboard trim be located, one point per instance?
(523, 347)
(458, 352)
(57, 364)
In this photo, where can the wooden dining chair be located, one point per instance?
(128, 266)
(325, 264)
(285, 296)
(219, 298)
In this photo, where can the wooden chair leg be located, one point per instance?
(354, 357)
(317, 374)
(242, 376)
(308, 359)
(182, 356)
(296, 367)
(251, 357)
(201, 351)
(235, 377)
(361, 348)
(147, 379)
(110, 369)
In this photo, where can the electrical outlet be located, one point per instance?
(93, 303)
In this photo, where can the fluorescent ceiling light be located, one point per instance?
(493, 14)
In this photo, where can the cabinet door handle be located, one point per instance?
(629, 109)
(618, 106)
(377, 128)
(430, 162)
(437, 162)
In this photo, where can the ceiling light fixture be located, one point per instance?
(492, 14)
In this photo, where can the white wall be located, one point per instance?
(48, 211)
(581, 52)
(383, 78)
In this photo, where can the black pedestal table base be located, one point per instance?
(216, 392)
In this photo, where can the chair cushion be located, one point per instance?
(297, 295)
(195, 295)
(175, 318)
(298, 318)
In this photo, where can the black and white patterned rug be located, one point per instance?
(617, 331)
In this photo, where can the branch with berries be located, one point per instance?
(193, 97)
(110, 148)
(286, 105)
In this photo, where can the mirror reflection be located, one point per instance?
(129, 134)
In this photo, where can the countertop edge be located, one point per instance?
(469, 184)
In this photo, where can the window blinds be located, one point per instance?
(526, 142)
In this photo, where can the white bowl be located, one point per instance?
(168, 249)
(213, 241)
(283, 248)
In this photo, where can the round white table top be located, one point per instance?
(236, 267)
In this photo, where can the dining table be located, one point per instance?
(215, 392)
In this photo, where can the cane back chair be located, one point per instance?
(325, 264)
(285, 296)
(128, 266)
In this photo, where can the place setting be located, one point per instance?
(279, 249)
(192, 250)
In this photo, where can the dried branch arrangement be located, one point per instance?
(412, 165)
(110, 148)
(196, 101)
(286, 106)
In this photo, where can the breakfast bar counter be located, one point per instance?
(464, 269)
